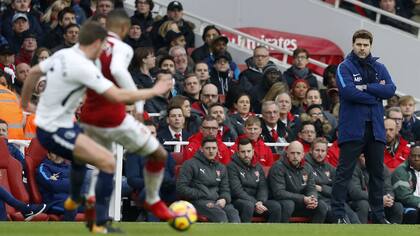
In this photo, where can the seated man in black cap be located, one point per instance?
(219, 47)
(136, 37)
(174, 12)
(221, 74)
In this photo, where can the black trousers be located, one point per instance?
(217, 214)
(247, 210)
(349, 154)
(393, 214)
(291, 208)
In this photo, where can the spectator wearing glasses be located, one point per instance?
(256, 64)
(395, 113)
(299, 69)
(306, 135)
(209, 127)
(208, 96)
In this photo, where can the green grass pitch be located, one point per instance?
(162, 229)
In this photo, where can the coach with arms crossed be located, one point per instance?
(362, 83)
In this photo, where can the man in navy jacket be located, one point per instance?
(363, 83)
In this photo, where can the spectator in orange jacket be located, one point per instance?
(262, 153)
(209, 127)
(396, 149)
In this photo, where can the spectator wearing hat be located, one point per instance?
(313, 96)
(219, 47)
(7, 60)
(28, 49)
(54, 38)
(143, 15)
(137, 37)
(210, 32)
(70, 36)
(299, 69)
(20, 27)
(271, 75)
(172, 39)
(21, 7)
(256, 64)
(323, 128)
(221, 74)
(175, 13)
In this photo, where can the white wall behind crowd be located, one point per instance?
(398, 50)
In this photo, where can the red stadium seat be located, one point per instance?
(276, 157)
(33, 158)
(11, 180)
(299, 219)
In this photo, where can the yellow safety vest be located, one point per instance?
(11, 112)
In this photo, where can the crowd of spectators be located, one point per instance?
(214, 102)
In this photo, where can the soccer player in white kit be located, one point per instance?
(108, 122)
(68, 73)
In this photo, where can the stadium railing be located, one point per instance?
(379, 13)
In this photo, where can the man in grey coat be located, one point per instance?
(292, 183)
(204, 182)
(249, 187)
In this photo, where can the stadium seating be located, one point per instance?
(11, 180)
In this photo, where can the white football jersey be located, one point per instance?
(68, 73)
